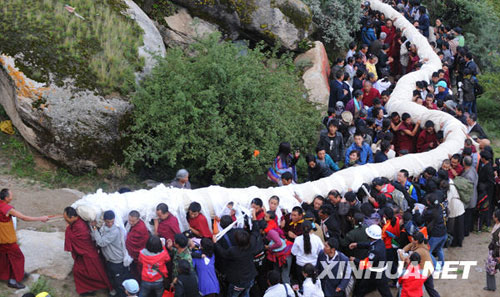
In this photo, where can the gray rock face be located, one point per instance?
(153, 43)
(75, 127)
(284, 21)
(53, 261)
(183, 29)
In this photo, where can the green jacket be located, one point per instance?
(357, 234)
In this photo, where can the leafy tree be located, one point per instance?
(209, 109)
(337, 20)
(488, 103)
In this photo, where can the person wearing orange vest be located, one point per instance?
(390, 235)
(11, 256)
(375, 263)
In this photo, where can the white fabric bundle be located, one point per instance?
(215, 198)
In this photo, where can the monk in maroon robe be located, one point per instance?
(137, 237)
(88, 271)
(11, 256)
(166, 225)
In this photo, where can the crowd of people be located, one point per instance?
(309, 250)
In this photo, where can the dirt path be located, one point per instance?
(32, 199)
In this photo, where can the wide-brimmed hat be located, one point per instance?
(374, 231)
(450, 104)
(347, 117)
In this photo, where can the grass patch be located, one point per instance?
(43, 285)
(99, 52)
(18, 159)
(158, 10)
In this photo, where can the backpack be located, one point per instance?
(407, 196)
(399, 198)
(478, 89)
(465, 188)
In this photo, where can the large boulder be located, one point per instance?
(285, 21)
(44, 253)
(182, 29)
(73, 127)
(317, 70)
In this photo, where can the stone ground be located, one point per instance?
(32, 199)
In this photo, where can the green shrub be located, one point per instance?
(209, 109)
(100, 52)
(158, 9)
(496, 6)
(488, 104)
(337, 21)
(481, 27)
(42, 285)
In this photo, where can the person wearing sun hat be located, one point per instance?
(131, 287)
(375, 263)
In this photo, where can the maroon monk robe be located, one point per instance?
(200, 223)
(11, 257)
(169, 227)
(137, 238)
(88, 271)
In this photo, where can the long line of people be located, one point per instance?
(409, 218)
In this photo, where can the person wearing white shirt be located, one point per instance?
(277, 289)
(306, 248)
(312, 285)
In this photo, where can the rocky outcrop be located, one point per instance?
(183, 29)
(285, 21)
(52, 262)
(153, 44)
(74, 127)
(317, 70)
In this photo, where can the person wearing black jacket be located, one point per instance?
(187, 282)
(486, 178)
(315, 171)
(333, 141)
(337, 91)
(330, 225)
(312, 209)
(473, 127)
(377, 258)
(433, 217)
(239, 261)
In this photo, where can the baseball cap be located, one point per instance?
(442, 84)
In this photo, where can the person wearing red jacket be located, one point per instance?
(412, 280)
(427, 139)
(198, 223)
(153, 259)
